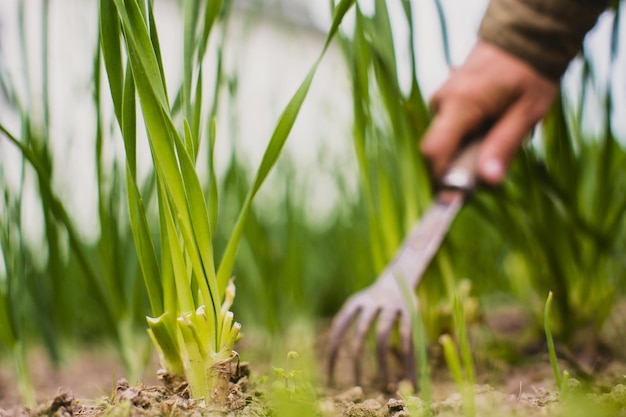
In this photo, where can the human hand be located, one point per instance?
(492, 87)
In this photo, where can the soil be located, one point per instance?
(92, 384)
(85, 388)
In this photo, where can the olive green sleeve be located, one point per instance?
(547, 34)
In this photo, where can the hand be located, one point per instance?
(494, 87)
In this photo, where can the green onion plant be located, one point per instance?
(190, 293)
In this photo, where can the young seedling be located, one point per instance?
(289, 375)
(419, 342)
(461, 365)
(561, 379)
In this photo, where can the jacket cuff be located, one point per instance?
(547, 34)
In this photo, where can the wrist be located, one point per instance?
(547, 35)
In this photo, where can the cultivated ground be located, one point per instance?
(91, 385)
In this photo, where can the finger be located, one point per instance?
(453, 122)
(340, 324)
(502, 143)
(408, 348)
(363, 325)
(386, 322)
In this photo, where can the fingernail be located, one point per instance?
(493, 170)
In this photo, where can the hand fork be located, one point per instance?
(384, 300)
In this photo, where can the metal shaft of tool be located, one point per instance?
(424, 240)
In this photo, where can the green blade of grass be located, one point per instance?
(144, 245)
(179, 269)
(419, 341)
(444, 32)
(212, 194)
(212, 12)
(56, 207)
(453, 360)
(128, 122)
(156, 45)
(550, 341)
(463, 338)
(111, 49)
(275, 145)
(466, 357)
(141, 50)
(195, 130)
(191, 12)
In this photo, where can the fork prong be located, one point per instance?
(364, 324)
(340, 324)
(408, 347)
(386, 322)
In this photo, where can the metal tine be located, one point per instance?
(339, 326)
(408, 347)
(363, 326)
(386, 323)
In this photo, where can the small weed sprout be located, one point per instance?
(289, 375)
(419, 343)
(461, 365)
(293, 391)
(561, 379)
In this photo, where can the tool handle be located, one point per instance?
(462, 173)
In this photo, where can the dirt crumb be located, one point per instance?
(60, 406)
(351, 395)
(368, 408)
(397, 408)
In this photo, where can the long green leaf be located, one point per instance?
(111, 50)
(56, 207)
(551, 351)
(276, 143)
(145, 247)
(136, 32)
